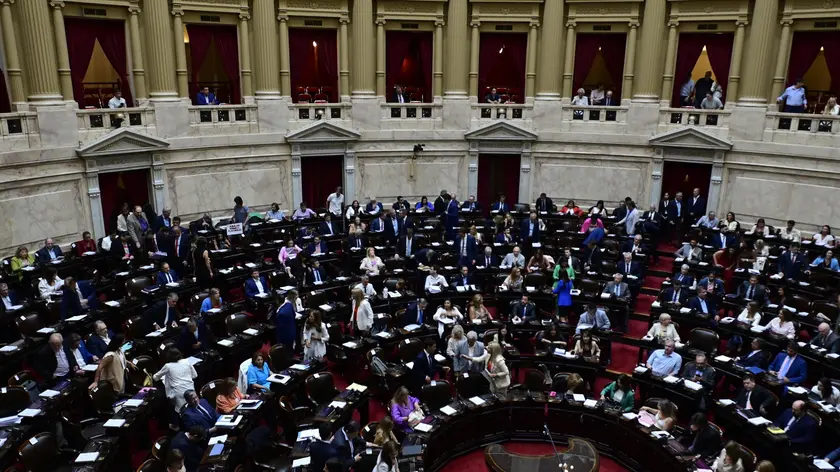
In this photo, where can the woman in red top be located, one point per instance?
(87, 244)
(727, 259)
(571, 209)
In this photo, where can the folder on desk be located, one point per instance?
(228, 421)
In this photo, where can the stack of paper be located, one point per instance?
(671, 379)
(217, 440)
(423, 427)
(134, 402)
(725, 402)
(478, 401)
(229, 421)
(114, 423)
(797, 390)
(448, 410)
(225, 342)
(590, 403)
(692, 385)
(251, 332)
(303, 367)
(86, 457)
(76, 318)
(357, 387)
(338, 404)
(759, 421)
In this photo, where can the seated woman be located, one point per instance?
(477, 311)
(384, 432)
(781, 326)
(258, 373)
(620, 392)
(598, 209)
(213, 300)
(826, 392)
(455, 338)
(665, 415)
(405, 410)
(514, 280)
(424, 205)
(479, 238)
(357, 225)
(664, 329)
(703, 440)
(824, 237)
(729, 459)
(576, 385)
(229, 397)
(352, 211)
(571, 209)
(550, 337)
(729, 225)
(371, 264)
(540, 262)
(828, 262)
(760, 228)
(751, 314)
(587, 348)
(447, 314)
(50, 285)
(288, 253)
(21, 259)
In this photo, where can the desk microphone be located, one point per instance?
(556, 454)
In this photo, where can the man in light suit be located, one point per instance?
(593, 318)
(752, 290)
(513, 259)
(696, 205)
(138, 226)
(788, 367)
(691, 252)
(524, 309)
(469, 355)
(49, 252)
(530, 229)
(827, 339)
(205, 97)
(466, 247)
(699, 371)
(617, 287)
(256, 285)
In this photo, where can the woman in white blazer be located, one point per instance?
(499, 374)
(387, 460)
(361, 312)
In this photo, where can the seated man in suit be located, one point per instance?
(401, 204)
(194, 337)
(628, 267)
(463, 279)
(164, 313)
(373, 207)
(425, 366)
(616, 287)
(327, 227)
(356, 242)
(800, 428)
(399, 97)
(206, 97)
(501, 206)
(758, 357)
(675, 294)
(79, 351)
(754, 291)
(199, 412)
(790, 263)
(488, 259)
(513, 259)
(415, 314)
(97, 342)
(55, 361)
(349, 444)
(9, 298)
(49, 252)
(407, 247)
(708, 221)
(377, 225)
(653, 221)
(166, 275)
(123, 248)
(544, 204)
(256, 286)
(317, 247)
(505, 237)
(471, 205)
(635, 246)
(684, 278)
(530, 229)
(788, 367)
(755, 397)
(192, 444)
(712, 283)
(826, 339)
(316, 274)
(723, 240)
(704, 306)
(593, 318)
(691, 252)
(524, 310)
(699, 371)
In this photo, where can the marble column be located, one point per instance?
(12, 56)
(531, 60)
(569, 60)
(64, 77)
(551, 47)
(285, 59)
(735, 66)
(343, 58)
(457, 40)
(648, 85)
(245, 55)
(267, 76)
(670, 53)
(136, 52)
(754, 87)
(180, 52)
(437, 70)
(39, 46)
(159, 39)
(475, 43)
(630, 61)
(780, 75)
(380, 57)
(364, 49)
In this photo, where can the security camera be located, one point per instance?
(418, 147)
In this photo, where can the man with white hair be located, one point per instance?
(617, 287)
(373, 207)
(55, 361)
(469, 355)
(827, 339)
(514, 259)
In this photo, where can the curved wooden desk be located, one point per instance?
(581, 456)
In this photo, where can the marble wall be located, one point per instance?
(588, 180)
(386, 178)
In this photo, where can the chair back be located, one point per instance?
(829, 309)
(409, 349)
(799, 302)
(534, 380)
(137, 327)
(134, 286)
(589, 286)
(39, 453)
(21, 377)
(144, 366)
(470, 385)
(489, 336)
(535, 279)
(747, 457)
(103, 397)
(369, 431)
(161, 447)
(436, 394)
(152, 465)
(13, 400)
(279, 359)
(704, 339)
(29, 324)
(559, 382)
(320, 387)
(196, 301)
(236, 323)
(210, 391)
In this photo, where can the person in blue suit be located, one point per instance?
(97, 342)
(757, 357)
(349, 444)
(788, 367)
(790, 263)
(8, 298)
(425, 366)
(801, 429)
(49, 252)
(198, 412)
(191, 444)
(373, 207)
(723, 240)
(501, 206)
(285, 329)
(194, 337)
(415, 313)
(628, 267)
(317, 244)
(702, 304)
(466, 247)
(471, 205)
(675, 293)
(451, 217)
(322, 450)
(166, 275)
(74, 342)
(713, 281)
(255, 285)
(206, 97)
(563, 290)
(530, 229)
(488, 259)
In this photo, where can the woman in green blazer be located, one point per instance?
(21, 259)
(620, 392)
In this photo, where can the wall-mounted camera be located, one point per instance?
(418, 148)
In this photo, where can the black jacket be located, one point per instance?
(47, 363)
(761, 398)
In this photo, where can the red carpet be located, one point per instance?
(474, 461)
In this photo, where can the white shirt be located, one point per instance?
(259, 285)
(106, 243)
(177, 378)
(823, 241)
(835, 110)
(786, 330)
(581, 101)
(755, 321)
(80, 359)
(438, 280)
(46, 290)
(115, 102)
(335, 203)
(597, 95)
(369, 291)
(62, 366)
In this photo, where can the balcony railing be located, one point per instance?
(320, 111)
(804, 123)
(601, 114)
(680, 117)
(13, 125)
(213, 115)
(502, 111)
(411, 111)
(109, 118)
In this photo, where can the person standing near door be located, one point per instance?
(696, 206)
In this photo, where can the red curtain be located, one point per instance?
(5, 101)
(685, 177)
(690, 48)
(408, 62)
(804, 49)
(227, 44)
(505, 68)
(498, 174)
(202, 37)
(320, 176)
(313, 66)
(612, 49)
(831, 43)
(81, 38)
(719, 50)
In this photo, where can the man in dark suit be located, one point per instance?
(322, 450)
(199, 412)
(696, 205)
(316, 274)
(256, 285)
(636, 246)
(349, 444)
(164, 220)
(471, 205)
(425, 366)
(401, 204)
(752, 290)
(524, 309)
(97, 342)
(699, 371)
(653, 221)
(392, 227)
(373, 207)
(754, 396)
(683, 277)
(451, 217)
(317, 247)
(758, 357)
(193, 338)
(55, 361)
(192, 444)
(488, 259)
(530, 229)
(790, 263)
(399, 97)
(356, 242)
(620, 211)
(378, 224)
(440, 202)
(501, 206)
(164, 313)
(327, 227)
(800, 428)
(463, 279)
(712, 284)
(49, 252)
(123, 248)
(723, 240)
(416, 314)
(544, 204)
(675, 294)
(702, 304)
(826, 339)
(592, 258)
(178, 249)
(408, 245)
(166, 275)
(466, 247)
(628, 267)
(406, 221)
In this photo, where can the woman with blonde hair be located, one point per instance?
(371, 264)
(362, 313)
(831, 107)
(384, 431)
(21, 259)
(666, 414)
(514, 280)
(315, 337)
(497, 370)
(664, 329)
(477, 311)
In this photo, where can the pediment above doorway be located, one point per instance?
(321, 132)
(500, 131)
(122, 141)
(690, 138)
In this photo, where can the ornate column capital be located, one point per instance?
(177, 10)
(380, 22)
(671, 24)
(440, 23)
(634, 24)
(475, 23)
(6, 3)
(57, 4)
(344, 21)
(742, 22)
(244, 15)
(571, 24)
(786, 21)
(534, 23)
(282, 14)
(134, 9)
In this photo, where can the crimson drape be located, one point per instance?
(227, 44)
(81, 39)
(831, 43)
(804, 50)
(505, 69)
(498, 174)
(719, 50)
(612, 50)
(313, 66)
(202, 37)
(408, 62)
(5, 101)
(690, 47)
(320, 175)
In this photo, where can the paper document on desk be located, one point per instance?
(325, 307)
(439, 358)
(301, 462)
(411, 327)
(156, 334)
(338, 404)
(461, 288)
(113, 303)
(192, 360)
(86, 457)
(671, 379)
(434, 289)
(759, 421)
(423, 427)
(29, 412)
(357, 387)
(630, 416)
(823, 465)
(49, 393)
(640, 369)
(590, 403)
(134, 402)
(229, 420)
(477, 401)
(225, 342)
(726, 402)
(797, 390)
(383, 335)
(448, 410)
(727, 320)
(251, 332)
(217, 440)
(578, 397)
(350, 345)
(90, 368)
(10, 420)
(76, 318)
(660, 434)
(303, 367)
(692, 385)
(655, 304)
(277, 378)
(308, 434)
(114, 423)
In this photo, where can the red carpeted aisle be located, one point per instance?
(474, 461)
